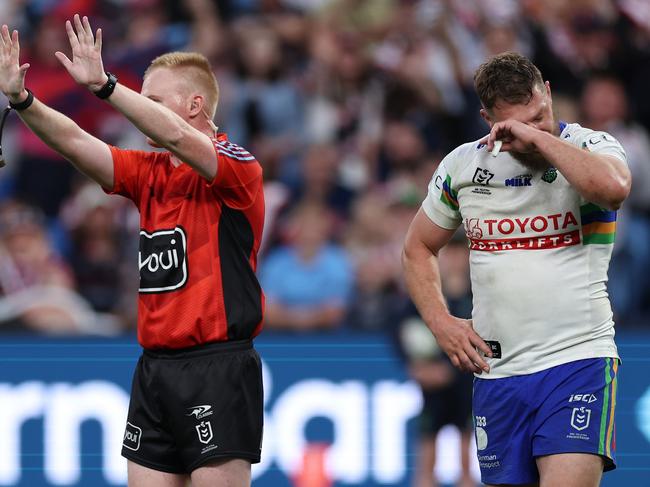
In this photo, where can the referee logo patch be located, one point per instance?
(132, 437)
(162, 260)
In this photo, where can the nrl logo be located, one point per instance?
(550, 175)
(482, 176)
(580, 418)
(204, 430)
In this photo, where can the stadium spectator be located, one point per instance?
(374, 244)
(308, 280)
(321, 181)
(266, 109)
(36, 285)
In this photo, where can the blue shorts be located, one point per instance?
(564, 409)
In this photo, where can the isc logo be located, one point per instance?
(588, 398)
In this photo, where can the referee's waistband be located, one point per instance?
(199, 350)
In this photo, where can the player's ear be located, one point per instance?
(486, 116)
(196, 105)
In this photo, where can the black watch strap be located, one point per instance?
(107, 90)
(23, 105)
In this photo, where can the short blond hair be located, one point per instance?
(198, 71)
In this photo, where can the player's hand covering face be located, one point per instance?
(12, 74)
(86, 67)
(518, 125)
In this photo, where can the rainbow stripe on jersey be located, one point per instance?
(598, 225)
(607, 437)
(448, 196)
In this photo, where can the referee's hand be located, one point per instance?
(86, 67)
(12, 74)
(460, 342)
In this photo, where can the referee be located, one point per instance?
(196, 406)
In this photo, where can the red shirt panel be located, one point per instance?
(198, 246)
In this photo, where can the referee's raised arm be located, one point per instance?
(147, 111)
(89, 154)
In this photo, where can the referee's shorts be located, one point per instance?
(192, 406)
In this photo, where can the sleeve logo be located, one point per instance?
(162, 260)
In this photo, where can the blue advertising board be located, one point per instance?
(63, 408)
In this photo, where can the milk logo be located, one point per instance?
(519, 181)
(162, 260)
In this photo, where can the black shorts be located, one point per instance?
(451, 405)
(191, 406)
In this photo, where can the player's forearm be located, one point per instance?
(64, 136)
(152, 119)
(598, 178)
(422, 275)
(55, 129)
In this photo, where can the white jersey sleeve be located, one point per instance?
(441, 203)
(597, 142)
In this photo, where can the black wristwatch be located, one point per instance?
(107, 90)
(25, 104)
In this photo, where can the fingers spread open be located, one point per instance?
(98, 40)
(63, 59)
(88, 31)
(6, 40)
(79, 28)
(72, 36)
(15, 47)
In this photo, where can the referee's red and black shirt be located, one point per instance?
(198, 246)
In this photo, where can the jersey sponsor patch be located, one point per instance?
(522, 233)
(132, 436)
(162, 260)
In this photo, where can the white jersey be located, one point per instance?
(539, 254)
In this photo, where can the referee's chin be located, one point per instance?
(153, 143)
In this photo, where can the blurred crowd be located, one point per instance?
(349, 105)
